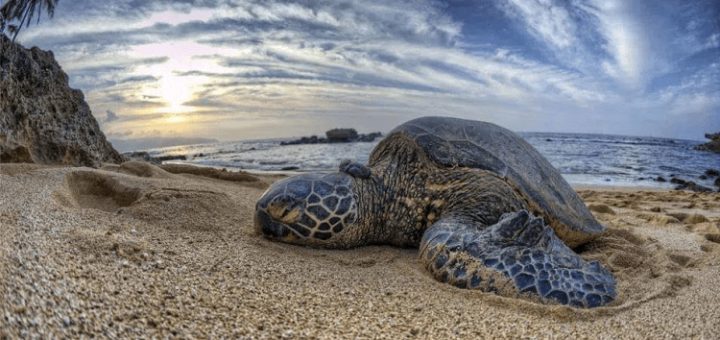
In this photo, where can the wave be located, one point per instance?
(582, 159)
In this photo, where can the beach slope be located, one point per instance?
(137, 251)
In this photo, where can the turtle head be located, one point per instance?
(310, 209)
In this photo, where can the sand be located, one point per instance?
(138, 251)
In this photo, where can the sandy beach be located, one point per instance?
(135, 251)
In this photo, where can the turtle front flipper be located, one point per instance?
(519, 255)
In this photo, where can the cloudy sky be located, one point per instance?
(231, 69)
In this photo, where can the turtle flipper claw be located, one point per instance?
(517, 256)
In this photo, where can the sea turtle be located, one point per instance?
(485, 208)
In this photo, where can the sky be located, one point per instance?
(234, 70)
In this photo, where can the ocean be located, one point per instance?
(583, 159)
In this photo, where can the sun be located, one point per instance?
(176, 91)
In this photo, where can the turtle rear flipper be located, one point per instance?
(519, 255)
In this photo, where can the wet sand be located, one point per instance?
(137, 251)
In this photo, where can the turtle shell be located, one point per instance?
(453, 142)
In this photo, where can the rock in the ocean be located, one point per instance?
(43, 120)
(712, 173)
(341, 135)
(678, 181)
(713, 145)
(141, 156)
(690, 185)
(336, 136)
(370, 137)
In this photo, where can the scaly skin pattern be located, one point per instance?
(475, 230)
(518, 256)
(405, 196)
(309, 209)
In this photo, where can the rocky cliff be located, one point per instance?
(43, 120)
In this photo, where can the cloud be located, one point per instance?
(624, 41)
(277, 68)
(546, 20)
(713, 41)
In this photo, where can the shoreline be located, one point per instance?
(583, 159)
(620, 188)
(577, 186)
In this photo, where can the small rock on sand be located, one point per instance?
(659, 219)
(601, 208)
(696, 218)
(713, 237)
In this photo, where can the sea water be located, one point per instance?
(583, 159)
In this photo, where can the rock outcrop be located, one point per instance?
(713, 145)
(341, 135)
(336, 136)
(43, 120)
(689, 185)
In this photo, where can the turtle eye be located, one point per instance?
(285, 208)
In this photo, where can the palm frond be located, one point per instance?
(24, 11)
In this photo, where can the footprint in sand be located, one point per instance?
(146, 192)
(98, 190)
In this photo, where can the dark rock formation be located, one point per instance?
(689, 185)
(336, 136)
(141, 156)
(43, 120)
(713, 145)
(341, 135)
(370, 137)
(306, 140)
(172, 158)
(678, 181)
(712, 173)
